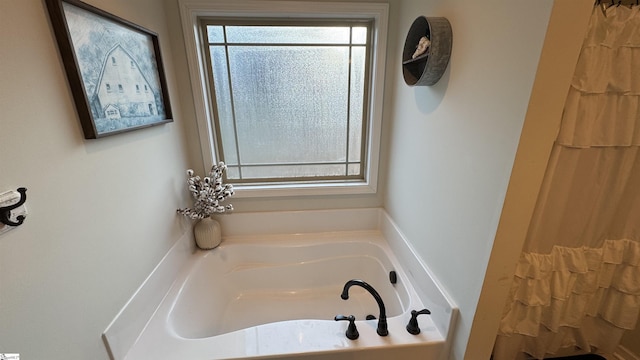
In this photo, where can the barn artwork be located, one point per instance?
(115, 71)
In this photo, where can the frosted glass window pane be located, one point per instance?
(359, 35)
(233, 172)
(354, 169)
(268, 172)
(223, 103)
(290, 103)
(215, 34)
(288, 100)
(356, 111)
(288, 34)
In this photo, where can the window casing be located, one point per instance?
(359, 161)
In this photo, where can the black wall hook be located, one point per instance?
(5, 212)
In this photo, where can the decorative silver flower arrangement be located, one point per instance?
(208, 193)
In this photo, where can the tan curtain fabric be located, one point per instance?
(602, 105)
(588, 195)
(577, 282)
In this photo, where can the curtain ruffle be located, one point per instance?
(561, 288)
(605, 83)
(608, 53)
(595, 335)
(586, 120)
(602, 69)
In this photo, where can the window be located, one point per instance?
(120, 88)
(289, 98)
(108, 86)
(289, 95)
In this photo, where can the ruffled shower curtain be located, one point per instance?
(577, 282)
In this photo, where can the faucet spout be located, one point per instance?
(382, 319)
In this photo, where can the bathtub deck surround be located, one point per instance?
(294, 264)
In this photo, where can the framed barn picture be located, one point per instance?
(114, 69)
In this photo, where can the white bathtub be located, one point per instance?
(245, 284)
(275, 296)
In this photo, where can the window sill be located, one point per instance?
(298, 189)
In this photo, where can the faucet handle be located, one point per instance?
(412, 326)
(352, 332)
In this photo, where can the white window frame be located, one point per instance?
(191, 10)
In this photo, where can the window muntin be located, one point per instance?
(289, 99)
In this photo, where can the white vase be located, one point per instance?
(207, 233)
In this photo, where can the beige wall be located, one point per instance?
(101, 212)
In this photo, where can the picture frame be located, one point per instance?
(114, 68)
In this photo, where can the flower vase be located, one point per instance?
(207, 233)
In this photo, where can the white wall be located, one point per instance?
(101, 212)
(452, 145)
